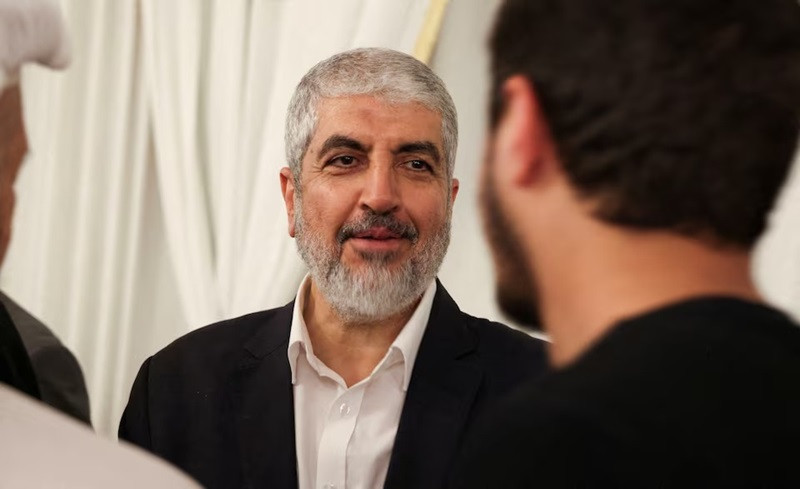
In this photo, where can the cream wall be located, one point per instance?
(461, 59)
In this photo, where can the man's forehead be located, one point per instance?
(377, 99)
(371, 119)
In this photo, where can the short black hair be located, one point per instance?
(681, 115)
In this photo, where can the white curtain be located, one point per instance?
(150, 204)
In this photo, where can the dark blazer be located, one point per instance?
(218, 402)
(15, 366)
(58, 374)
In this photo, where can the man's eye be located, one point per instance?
(342, 161)
(419, 165)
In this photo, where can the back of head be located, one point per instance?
(679, 115)
(390, 75)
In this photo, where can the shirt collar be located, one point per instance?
(407, 341)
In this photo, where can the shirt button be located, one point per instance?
(344, 410)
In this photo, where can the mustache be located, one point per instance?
(370, 219)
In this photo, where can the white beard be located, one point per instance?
(375, 292)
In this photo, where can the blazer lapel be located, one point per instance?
(444, 383)
(264, 407)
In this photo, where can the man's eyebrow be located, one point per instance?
(339, 141)
(426, 147)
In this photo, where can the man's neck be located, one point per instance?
(351, 350)
(627, 275)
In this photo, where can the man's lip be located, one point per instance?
(371, 245)
(377, 233)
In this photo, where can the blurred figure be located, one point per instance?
(57, 371)
(636, 149)
(40, 447)
(31, 31)
(371, 377)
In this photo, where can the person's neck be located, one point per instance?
(352, 350)
(623, 275)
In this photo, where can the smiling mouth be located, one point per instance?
(377, 234)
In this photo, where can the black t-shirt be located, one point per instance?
(704, 393)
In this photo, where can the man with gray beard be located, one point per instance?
(372, 375)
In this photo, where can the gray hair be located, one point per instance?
(388, 74)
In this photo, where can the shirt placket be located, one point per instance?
(339, 427)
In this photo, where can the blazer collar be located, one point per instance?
(263, 405)
(443, 387)
(444, 383)
(406, 343)
(273, 335)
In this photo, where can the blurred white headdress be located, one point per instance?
(31, 31)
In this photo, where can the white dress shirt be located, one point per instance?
(344, 435)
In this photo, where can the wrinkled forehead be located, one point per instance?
(377, 119)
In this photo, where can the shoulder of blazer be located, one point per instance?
(58, 373)
(233, 340)
(35, 335)
(486, 337)
(500, 340)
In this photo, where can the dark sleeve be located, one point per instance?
(59, 377)
(61, 381)
(134, 426)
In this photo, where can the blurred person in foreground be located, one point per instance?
(372, 375)
(636, 149)
(31, 31)
(40, 447)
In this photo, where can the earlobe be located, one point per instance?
(287, 189)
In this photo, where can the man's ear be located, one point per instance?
(287, 189)
(454, 191)
(522, 143)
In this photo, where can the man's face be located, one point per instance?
(13, 146)
(516, 292)
(372, 214)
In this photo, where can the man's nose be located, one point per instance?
(381, 193)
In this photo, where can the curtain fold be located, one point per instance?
(173, 37)
(80, 194)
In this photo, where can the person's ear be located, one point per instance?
(454, 190)
(522, 143)
(288, 190)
